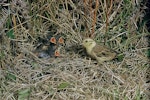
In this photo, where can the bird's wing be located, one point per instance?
(102, 51)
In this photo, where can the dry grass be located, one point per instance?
(73, 76)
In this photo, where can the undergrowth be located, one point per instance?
(118, 24)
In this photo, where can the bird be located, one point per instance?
(58, 41)
(49, 47)
(98, 52)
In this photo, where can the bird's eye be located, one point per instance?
(86, 41)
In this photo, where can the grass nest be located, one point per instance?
(28, 25)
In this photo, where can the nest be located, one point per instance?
(28, 26)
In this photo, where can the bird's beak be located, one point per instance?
(81, 44)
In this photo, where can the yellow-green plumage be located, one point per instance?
(98, 52)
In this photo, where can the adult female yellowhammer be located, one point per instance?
(98, 52)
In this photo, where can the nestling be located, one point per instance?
(98, 52)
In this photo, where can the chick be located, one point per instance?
(98, 52)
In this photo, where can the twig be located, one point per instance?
(94, 18)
